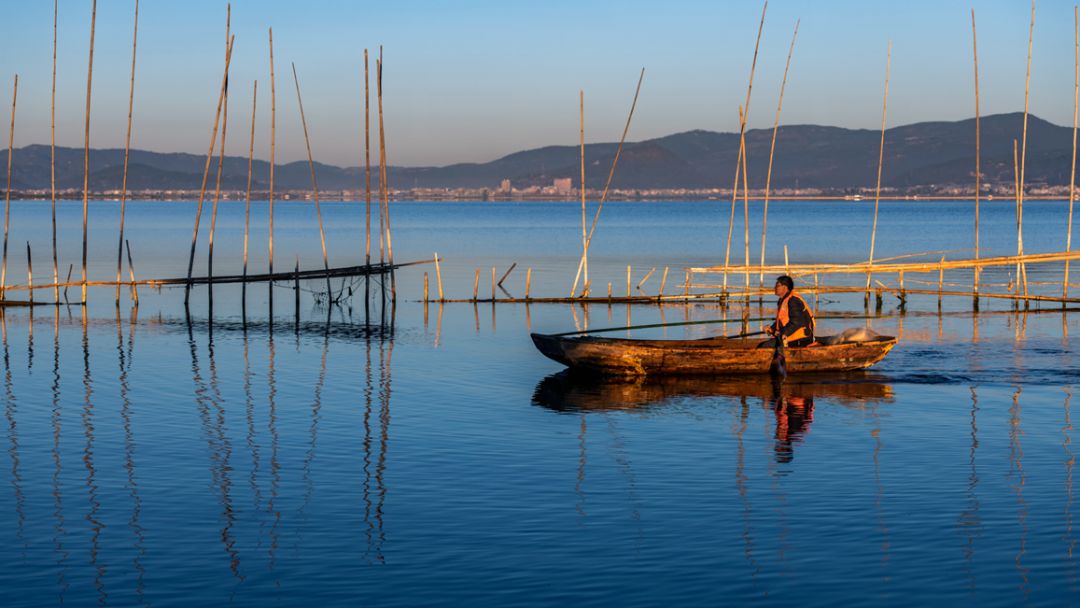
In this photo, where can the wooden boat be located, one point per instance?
(717, 356)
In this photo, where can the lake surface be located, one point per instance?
(429, 455)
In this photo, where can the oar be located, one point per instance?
(778, 368)
(708, 322)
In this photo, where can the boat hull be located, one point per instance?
(717, 356)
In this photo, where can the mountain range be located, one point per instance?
(918, 156)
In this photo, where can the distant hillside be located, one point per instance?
(807, 156)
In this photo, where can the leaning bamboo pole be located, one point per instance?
(978, 141)
(52, 157)
(7, 193)
(881, 158)
(772, 150)
(127, 153)
(742, 132)
(247, 197)
(1023, 152)
(383, 178)
(1072, 167)
(584, 226)
(220, 167)
(746, 206)
(86, 148)
(611, 175)
(206, 168)
(314, 186)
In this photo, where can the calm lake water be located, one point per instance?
(155, 458)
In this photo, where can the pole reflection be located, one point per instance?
(96, 525)
(59, 533)
(1018, 479)
(124, 357)
(1070, 462)
(10, 411)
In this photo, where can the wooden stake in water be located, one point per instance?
(663, 281)
(220, 167)
(127, 153)
(438, 276)
(131, 275)
(978, 141)
(772, 150)
(7, 193)
(742, 133)
(628, 280)
(52, 159)
(1019, 210)
(1023, 153)
(86, 147)
(476, 286)
(206, 169)
(881, 159)
(528, 283)
(314, 187)
(29, 273)
(383, 177)
(1072, 169)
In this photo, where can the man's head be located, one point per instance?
(784, 286)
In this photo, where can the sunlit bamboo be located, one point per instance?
(86, 148)
(772, 150)
(314, 186)
(7, 193)
(881, 159)
(127, 153)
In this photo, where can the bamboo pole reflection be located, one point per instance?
(879, 496)
(275, 464)
(369, 391)
(134, 523)
(96, 525)
(249, 414)
(579, 483)
(10, 411)
(59, 533)
(1017, 477)
(970, 518)
(313, 429)
(1070, 462)
(739, 427)
(384, 434)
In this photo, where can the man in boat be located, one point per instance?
(794, 322)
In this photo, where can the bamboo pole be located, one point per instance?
(86, 147)
(584, 231)
(772, 150)
(206, 167)
(647, 275)
(746, 211)
(493, 284)
(476, 285)
(528, 283)
(1019, 212)
(611, 175)
(314, 185)
(7, 193)
(425, 288)
(881, 158)
(131, 275)
(52, 158)
(663, 281)
(67, 282)
(978, 141)
(1072, 167)
(742, 132)
(30, 273)
(220, 168)
(1023, 150)
(507, 273)
(383, 176)
(273, 138)
(367, 163)
(127, 153)
(628, 280)
(247, 196)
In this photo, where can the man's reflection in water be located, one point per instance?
(793, 418)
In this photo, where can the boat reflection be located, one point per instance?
(793, 399)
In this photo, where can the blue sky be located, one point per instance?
(473, 80)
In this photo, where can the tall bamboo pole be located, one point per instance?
(273, 137)
(1023, 152)
(52, 158)
(1019, 213)
(220, 167)
(611, 175)
(584, 231)
(367, 163)
(7, 193)
(383, 178)
(881, 158)
(247, 198)
(1072, 167)
(978, 142)
(772, 150)
(127, 153)
(206, 168)
(314, 187)
(746, 209)
(86, 148)
(742, 132)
